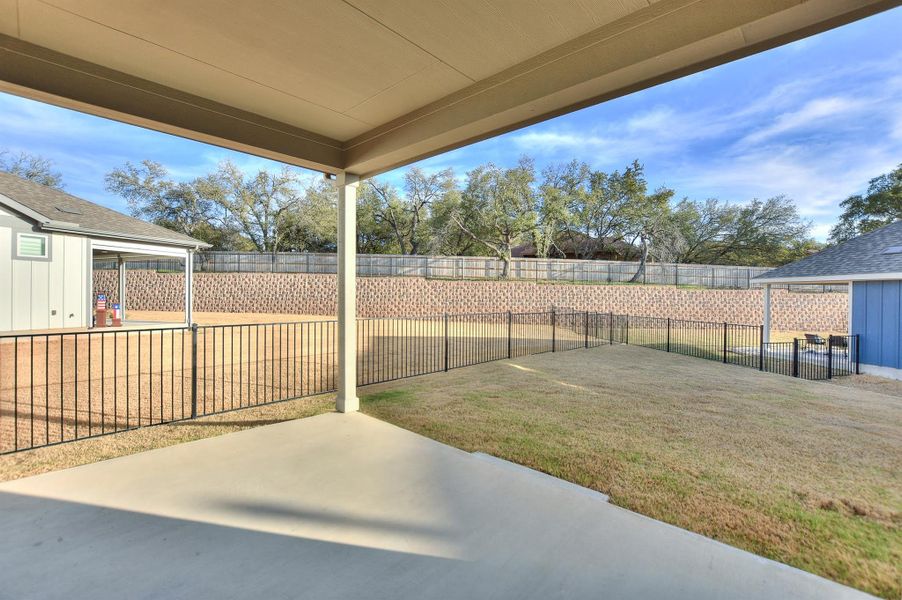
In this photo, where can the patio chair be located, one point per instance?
(840, 342)
(813, 340)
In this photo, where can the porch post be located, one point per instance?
(189, 287)
(121, 265)
(849, 296)
(346, 400)
(766, 313)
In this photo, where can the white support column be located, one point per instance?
(189, 287)
(766, 313)
(849, 297)
(121, 265)
(89, 284)
(347, 400)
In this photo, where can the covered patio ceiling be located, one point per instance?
(364, 86)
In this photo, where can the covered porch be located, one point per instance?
(381, 86)
(123, 253)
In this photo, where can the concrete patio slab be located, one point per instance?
(346, 506)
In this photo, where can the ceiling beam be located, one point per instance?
(659, 43)
(665, 41)
(48, 76)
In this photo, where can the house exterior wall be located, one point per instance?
(42, 293)
(876, 310)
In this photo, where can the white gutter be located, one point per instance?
(823, 279)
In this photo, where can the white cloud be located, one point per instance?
(814, 113)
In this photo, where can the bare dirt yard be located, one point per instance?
(806, 473)
(57, 387)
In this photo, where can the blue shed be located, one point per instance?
(872, 266)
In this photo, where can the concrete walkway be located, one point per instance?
(346, 506)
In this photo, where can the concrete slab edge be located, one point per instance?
(540, 476)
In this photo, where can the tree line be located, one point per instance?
(566, 210)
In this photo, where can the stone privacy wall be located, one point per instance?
(416, 296)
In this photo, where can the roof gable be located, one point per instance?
(866, 255)
(58, 211)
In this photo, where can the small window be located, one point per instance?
(32, 246)
(893, 250)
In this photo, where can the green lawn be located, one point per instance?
(806, 473)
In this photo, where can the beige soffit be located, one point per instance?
(368, 85)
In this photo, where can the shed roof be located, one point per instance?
(872, 256)
(55, 210)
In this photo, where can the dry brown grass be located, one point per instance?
(803, 472)
(221, 318)
(63, 456)
(788, 336)
(871, 383)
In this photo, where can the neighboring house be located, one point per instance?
(570, 245)
(48, 242)
(872, 266)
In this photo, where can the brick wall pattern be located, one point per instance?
(314, 294)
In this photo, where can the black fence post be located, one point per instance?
(829, 357)
(194, 370)
(627, 334)
(761, 348)
(447, 345)
(587, 329)
(725, 343)
(668, 334)
(553, 330)
(795, 357)
(857, 337)
(510, 331)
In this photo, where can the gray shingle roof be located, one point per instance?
(58, 210)
(860, 256)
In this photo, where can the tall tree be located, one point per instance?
(311, 225)
(760, 233)
(649, 226)
(181, 206)
(259, 206)
(446, 237)
(701, 227)
(32, 167)
(374, 234)
(498, 207)
(560, 186)
(880, 206)
(409, 215)
(599, 210)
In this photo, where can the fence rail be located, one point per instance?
(472, 267)
(60, 387)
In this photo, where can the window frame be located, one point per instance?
(43, 236)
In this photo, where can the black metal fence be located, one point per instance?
(60, 387)
(477, 267)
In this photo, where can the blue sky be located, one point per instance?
(813, 120)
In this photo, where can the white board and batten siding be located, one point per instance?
(42, 293)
